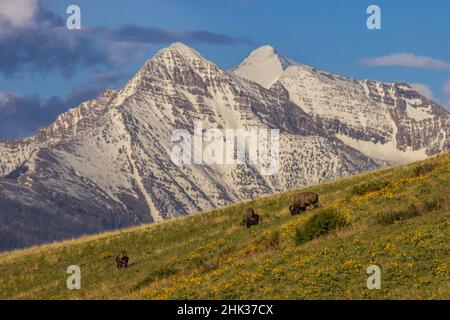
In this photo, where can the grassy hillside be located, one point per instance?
(396, 218)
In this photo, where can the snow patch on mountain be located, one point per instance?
(418, 114)
(387, 152)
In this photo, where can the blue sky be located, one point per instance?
(47, 68)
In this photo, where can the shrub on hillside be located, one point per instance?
(424, 169)
(391, 217)
(412, 211)
(270, 240)
(164, 271)
(273, 239)
(319, 224)
(373, 186)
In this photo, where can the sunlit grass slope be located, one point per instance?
(397, 218)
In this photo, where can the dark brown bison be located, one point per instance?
(122, 259)
(302, 201)
(250, 218)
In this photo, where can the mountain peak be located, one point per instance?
(265, 49)
(264, 53)
(176, 52)
(264, 65)
(183, 49)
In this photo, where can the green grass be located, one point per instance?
(366, 187)
(401, 225)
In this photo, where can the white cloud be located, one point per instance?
(424, 90)
(4, 98)
(18, 13)
(123, 52)
(407, 60)
(447, 89)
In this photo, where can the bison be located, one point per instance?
(122, 260)
(302, 201)
(250, 218)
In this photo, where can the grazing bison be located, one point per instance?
(302, 201)
(122, 259)
(250, 218)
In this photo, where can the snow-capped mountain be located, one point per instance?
(386, 121)
(106, 164)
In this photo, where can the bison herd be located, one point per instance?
(301, 202)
